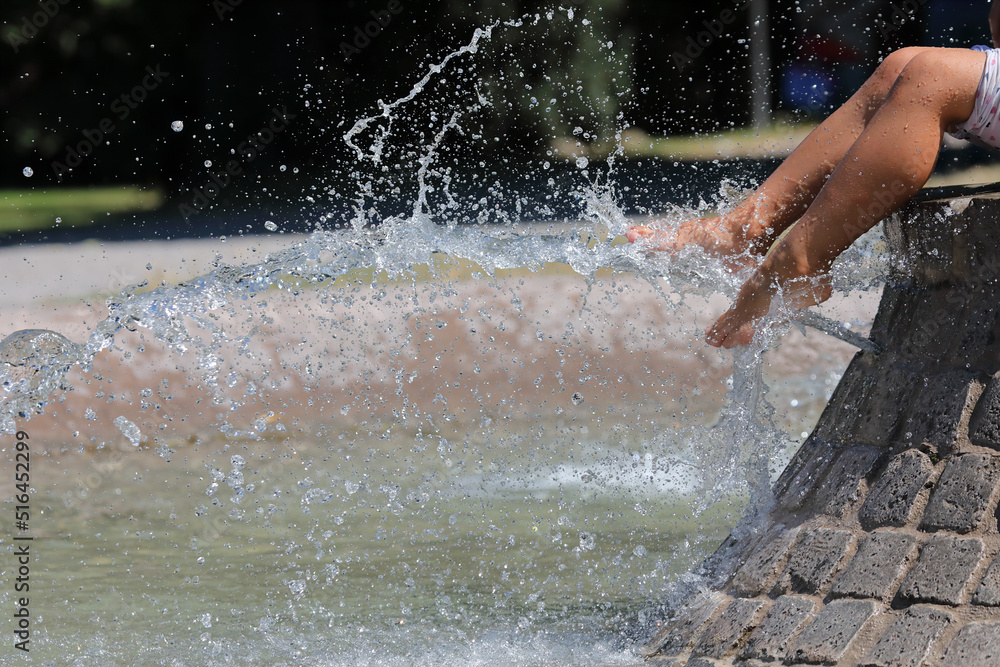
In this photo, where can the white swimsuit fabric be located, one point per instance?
(983, 126)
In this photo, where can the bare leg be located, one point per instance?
(891, 159)
(788, 192)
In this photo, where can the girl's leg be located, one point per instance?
(788, 192)
(891, 159)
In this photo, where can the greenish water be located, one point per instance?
(361, 551)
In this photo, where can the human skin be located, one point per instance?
(863, 162)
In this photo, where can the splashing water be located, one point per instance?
(418, 440)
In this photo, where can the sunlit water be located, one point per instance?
(414, 443)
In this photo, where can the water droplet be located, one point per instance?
(177, 125)
(582, 162)
(208, 126)
(28, 171)
(282, 168)
(206, 620)
(208, 163)
(129, 430)
(270, 226)
(577, 398)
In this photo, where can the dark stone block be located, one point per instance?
(842, 485)
(975, 645)
(764, 564)
(885, 403)
(783, 620)
(813, 561)
(908, 640)
(828, 637)
(940, 405)
(984, 427)
(890, 501)
(988, 593)
(680, 633)
(809, 470)
(944, 568)
(961, 494)
(725, 633)
(876, 566)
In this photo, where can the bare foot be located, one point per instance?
(717, 236)
(738, 324)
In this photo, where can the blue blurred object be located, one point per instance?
(806, 87)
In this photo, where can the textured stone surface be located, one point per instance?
(945, 565)
(891, 498)
(984, 427)
(938, 409)
(961, 494)
(680, 633)
(764, 564)
(988, 592)
(723, 635)
(783, 620)
(909, 639)
(884, 404)
(876, 566)
(975, 645)
(813, 560)
(841, 486)
(806, 470)
(828, 637)
(837, 423)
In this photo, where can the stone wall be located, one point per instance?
(882, 546)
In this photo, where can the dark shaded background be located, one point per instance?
(230, 65)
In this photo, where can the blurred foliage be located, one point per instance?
(230, 63)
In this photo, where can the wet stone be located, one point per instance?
(945, 565)
(876, 566)
(890, 500)
(975, 645)
(961, 494)
(722, 635)
(786, 616)
(938, 409)
(764, 564)
(908, 640)
(837, 423)
(984, 427)
(887, 402)
(803, 474)
(681, 632)
(842, 485)
(988, 593)
(814, 560)
(829, 636)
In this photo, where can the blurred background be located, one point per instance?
(89, 91)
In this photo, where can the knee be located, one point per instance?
(894, 63)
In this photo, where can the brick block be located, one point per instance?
(944, 568)
(729, 629)
(975, 645)
(764, 564)
(941, 403)
(828, 637)
(988, 593)
(876, 566)
(783, 620)
(890, 500)
(961, 494)
(680, 632)
(909, 639)
(984, 427)
(841, 486)
(813, 561)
